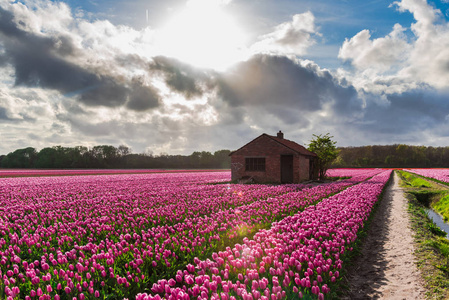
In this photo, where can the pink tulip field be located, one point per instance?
(72, 172)
(438, 174)
(187, 235)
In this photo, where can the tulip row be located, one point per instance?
(300, 255)
(34, 172)
(438, 174)
(101, 235)
(348, 172)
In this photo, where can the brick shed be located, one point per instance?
(270, 158)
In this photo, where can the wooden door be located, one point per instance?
(286, 168)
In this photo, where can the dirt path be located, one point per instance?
(386, 268)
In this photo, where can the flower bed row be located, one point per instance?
(300, 255)
(438, 174)
(348, 172)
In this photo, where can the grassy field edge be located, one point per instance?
(432, 258)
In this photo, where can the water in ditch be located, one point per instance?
(438, 220)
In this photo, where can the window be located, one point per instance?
(255, 164)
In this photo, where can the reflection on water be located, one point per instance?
(438, 220)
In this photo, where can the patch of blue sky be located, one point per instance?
(81, 91)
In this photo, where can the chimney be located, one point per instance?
(280, 135)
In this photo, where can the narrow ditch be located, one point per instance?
(438, 221)
(425, 198)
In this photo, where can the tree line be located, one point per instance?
(106, 156)
(392, 156)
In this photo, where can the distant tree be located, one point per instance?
(123, 150)
(206, 159)
(222, 159)
(195, 159)
(62, 159)
(46, 158)
(324, 147)
(20, 158)
(79, 156)
(105, 155)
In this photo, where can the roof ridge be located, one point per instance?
(302, 148)
(284, 142)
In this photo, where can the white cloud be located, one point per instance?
(395, 63)
(382, 54)
(41, 16)
(429, 59)
(103, 40)
(289, 38)
(424, 14)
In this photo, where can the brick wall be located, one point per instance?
(272, 151)
(304, 166)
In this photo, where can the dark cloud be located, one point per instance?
(407, 113)
(74, 108)
(4, 115)
(40, 61)
(105, 91)
(142, 97)
(3, 60)
(7, 25)
(23, 116)
(279, 80)
(179, 76)
(37, 60)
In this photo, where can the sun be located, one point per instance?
(203, 35)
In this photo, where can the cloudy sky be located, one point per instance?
(176, 76)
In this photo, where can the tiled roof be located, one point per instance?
(287, 143)
(292, 145)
